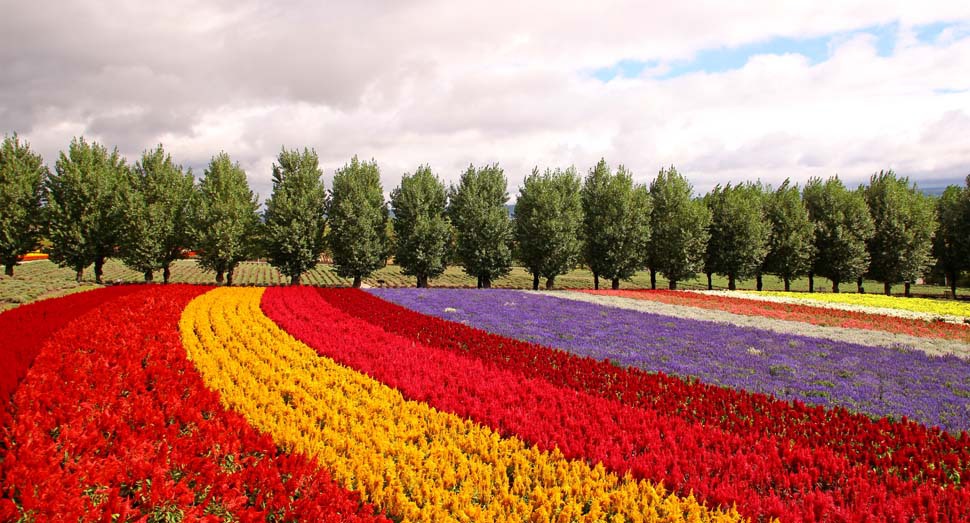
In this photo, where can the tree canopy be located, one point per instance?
(84, 206)
(358, 221)
(904, 220)
(616, 223)
(739, 231)
(484, 228)
(295, 215)
(791, 245)
(842, 228)
(548, 223)
(225, 224)
(421, 225)
(157, 206)
(678, 223)
(951, 243)
(22, 175)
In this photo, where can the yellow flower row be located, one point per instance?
(404, 456)
(925, 305)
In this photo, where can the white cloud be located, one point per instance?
(431, 82)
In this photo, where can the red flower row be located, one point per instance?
(762, 475)
(804, 313)
(114, 423)
(905, 449)
(24, 330)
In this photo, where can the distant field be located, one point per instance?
(43, 279)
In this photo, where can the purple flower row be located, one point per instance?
(874, 380)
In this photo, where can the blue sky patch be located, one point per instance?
(718, 60)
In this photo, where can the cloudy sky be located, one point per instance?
(725, 91)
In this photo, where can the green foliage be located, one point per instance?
(791, 245)
(548, 223)
(951, 243)
(905, 220)
(225, 224)
(84, 206)
(358, 220)
(22, 175)
(484, 229)
(842, 228)
(739, 231)
(157, 206)
(295, 214)
(422, 228)
(616, 222)
(678, 224)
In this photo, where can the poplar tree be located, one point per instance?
(951, 243)
(295, 215)
(842, 228)
(905, 220)
(421, 225)
(484, 230)
(22, 175)
(358, 221)
(84, 206)
(616, 223)
(548, 223)
(225, 224)
(679, 229)
(157, 206)
(791, 245)
(738, 232)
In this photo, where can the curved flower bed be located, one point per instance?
(873, 380)
(112, 423)
(751, 306)
(721, 468)
(907, 449)
(417, 463)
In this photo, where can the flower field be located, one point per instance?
(177, 403)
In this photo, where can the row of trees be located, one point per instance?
(95, 206)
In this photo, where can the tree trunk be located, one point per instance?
(550, 281)
(732, 283)
(835, 286)
(535, 281)
(760, 280)
(422, 281)
(710, 281)
(859, 288)
(8, 268)
(486, 282)
(653, 279)
(906, 290)
(787, 284)
(887, 288)
(479, 281)
(357, 281)
(953, 284)
(596, 281)
(296, 279)
(229, 276)
(98, 269)
(220, 277)
(811, 282)
(615, 284)
(166, 273)
(79, 273)
(672, 285)
(149, 276)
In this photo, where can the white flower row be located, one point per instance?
(931, 346)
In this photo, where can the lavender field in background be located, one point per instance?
(874, 380)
